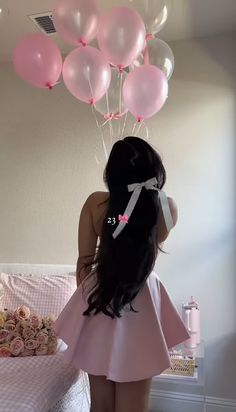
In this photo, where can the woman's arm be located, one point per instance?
(87, 239)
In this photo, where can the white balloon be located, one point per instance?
(160, 55)
(154, 13)
(113, 105)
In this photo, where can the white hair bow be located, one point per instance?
(136, 189)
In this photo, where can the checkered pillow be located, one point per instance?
(44, 294)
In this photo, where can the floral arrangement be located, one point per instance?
(26, 334)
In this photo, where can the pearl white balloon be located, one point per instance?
(113, 103)
(155, 13)
(160, 55)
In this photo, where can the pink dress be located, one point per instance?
(130, 348)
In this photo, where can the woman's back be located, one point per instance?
(121, 332)
(99, 206)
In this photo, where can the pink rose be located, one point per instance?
(14, 334)
(44, 330)
(52, 348)
(35, 321)
(31, 344)
(52, 335)
(42, 337)
(22, 312)
(20, 325)
(16, 346)
(41, 350)
(28, 332)
(53, 339)
(4, 335)
(10, 314)
(5, 352)
(27, 352)
(48, 322)
(10, 325)
(18, 328)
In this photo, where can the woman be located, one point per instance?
(120, 322)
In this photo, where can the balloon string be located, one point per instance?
(98, 163)
(147, 131)
(120, 93)
(92, 103)
(107, 101)
(122, 134)
(100, 128)
(110, 122)
(135, 124)
(92, 100)
(145, 127)
(138, 129)
(108, 118)
(121, 76)
(111, 133)
(97, 160)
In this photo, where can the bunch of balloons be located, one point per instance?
(129, 71)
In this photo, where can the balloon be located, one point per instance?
(76, 21)
(154, 13)
(121, 36)
(86, 74)
(158, 54)
(145, 91)
(114, 98)
(38, 60)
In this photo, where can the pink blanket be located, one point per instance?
(34, 384)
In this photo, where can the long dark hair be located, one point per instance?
(123, 264)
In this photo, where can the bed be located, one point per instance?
(41, 383)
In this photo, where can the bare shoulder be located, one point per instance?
(96, 198)
(97, 205)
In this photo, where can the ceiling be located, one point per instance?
(188, 19)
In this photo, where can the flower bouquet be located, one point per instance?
(26, 334)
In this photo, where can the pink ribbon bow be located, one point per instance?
(124, 218)
(111, 116)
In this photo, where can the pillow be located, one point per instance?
(46, 294)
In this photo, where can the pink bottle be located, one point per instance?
(191, 318)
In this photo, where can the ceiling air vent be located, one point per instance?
(44, 22)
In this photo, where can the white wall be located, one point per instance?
(47, 169)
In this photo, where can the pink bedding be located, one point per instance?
(34, 384)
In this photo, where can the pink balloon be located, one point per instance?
(145, 91)
(76, 21)
(38, 61)
(86, 74)
(121, 36)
